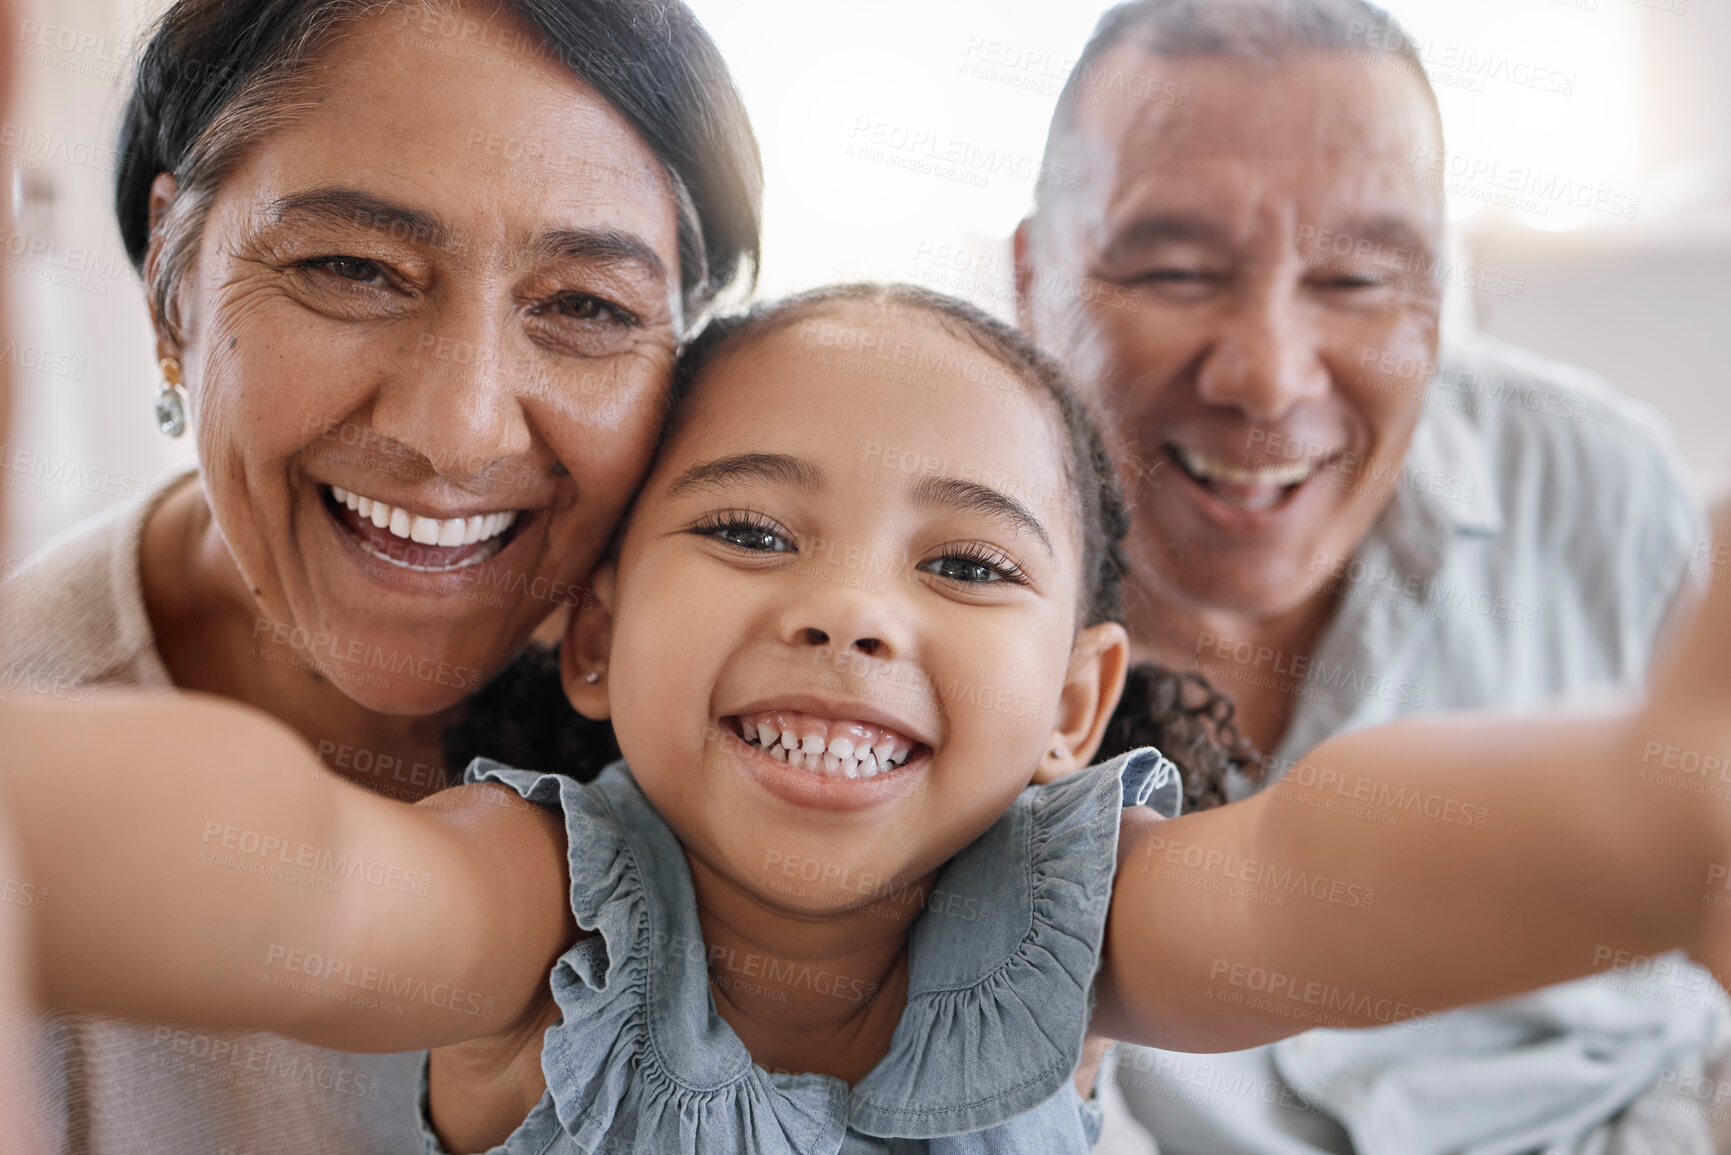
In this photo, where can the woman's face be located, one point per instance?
(875, 552)
(449, 287)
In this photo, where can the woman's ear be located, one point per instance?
(1098, 663)
(588, 643)
(163, 190)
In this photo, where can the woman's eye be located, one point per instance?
(356, 269)
(591, 310)
(756, 538)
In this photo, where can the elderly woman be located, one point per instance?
(418, 273)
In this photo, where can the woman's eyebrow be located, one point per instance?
(352, 208)
(776, 468)
(971, 496)
(604, 246)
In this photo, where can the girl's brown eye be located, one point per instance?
(963, 570)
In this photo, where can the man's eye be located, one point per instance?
(1178, 276)
(1353, 281)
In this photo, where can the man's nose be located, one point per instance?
(1265, 360)
(456, 400)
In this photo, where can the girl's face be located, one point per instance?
(860, 540)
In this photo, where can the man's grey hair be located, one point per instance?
(1270, 30)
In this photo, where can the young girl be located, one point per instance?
(865, 598)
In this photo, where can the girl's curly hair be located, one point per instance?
(521, 716)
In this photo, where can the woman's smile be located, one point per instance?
(423, 541)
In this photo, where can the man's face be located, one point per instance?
(1244, 280)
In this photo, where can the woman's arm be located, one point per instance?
(1430, 863)
(199, 866)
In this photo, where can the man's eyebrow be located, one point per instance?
(352, 208)
(970, 496)
(605, 246)
(1390, 231)
(775, 468)
(1147, 232)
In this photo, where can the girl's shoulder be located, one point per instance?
(1001, 959)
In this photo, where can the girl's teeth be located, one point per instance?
(445, 532)
(842, 758)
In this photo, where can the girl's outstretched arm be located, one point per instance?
(195, 864)
(1431, 863)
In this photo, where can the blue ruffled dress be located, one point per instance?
(1001, 971)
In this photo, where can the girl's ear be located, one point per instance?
(1098, 663)
(588, 643)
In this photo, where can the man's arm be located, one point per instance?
(201, 867)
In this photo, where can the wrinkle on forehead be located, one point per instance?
(1309, 110)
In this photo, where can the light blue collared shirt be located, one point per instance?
(1536, 540)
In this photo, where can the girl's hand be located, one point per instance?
(1685, 731)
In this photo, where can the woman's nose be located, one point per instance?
(456, 400)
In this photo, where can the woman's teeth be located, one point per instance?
(850, 750)
(450, 531)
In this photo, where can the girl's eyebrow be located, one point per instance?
(778, 468)
(954, 493)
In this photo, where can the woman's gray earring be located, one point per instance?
(170, 399)
(592, 677)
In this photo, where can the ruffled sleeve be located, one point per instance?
(638, 1059)
(1002, 961)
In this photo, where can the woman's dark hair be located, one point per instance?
(216, 75)
(1190, 721)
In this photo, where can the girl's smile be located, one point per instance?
(826, 756)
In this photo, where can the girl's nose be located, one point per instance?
(816, 637)
(844, 619)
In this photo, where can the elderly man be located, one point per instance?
(1337, 525)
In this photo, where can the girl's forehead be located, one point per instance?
(876, 389)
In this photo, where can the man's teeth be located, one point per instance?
(841, 757)
(450, 531)
(1210, 469)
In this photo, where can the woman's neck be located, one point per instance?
(822, 993)
(203, 618)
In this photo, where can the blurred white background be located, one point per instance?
(1629, 99)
